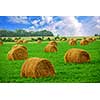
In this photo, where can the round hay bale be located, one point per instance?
(15, 41)
(63, 39)
(15, 46)
(18, 53)
(25, 41)
(39, 41)
(53, 43)
(89, 39)
(1, 43)
(75, 55)
(50, 48)
(19, 41)
(94, 39)
(72, 43)
(84, 42)
(37, 67)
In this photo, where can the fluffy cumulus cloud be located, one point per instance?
(67, 25)
(18, 19)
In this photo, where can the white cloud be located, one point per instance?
(47, 19)
(18, 19)
(92, 26)
(32, 28)
(68, 26)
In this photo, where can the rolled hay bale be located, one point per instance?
(18, 53)
(93, 39)
(1, 43)
(25, 41)
(57, 39)
(72, 39)
(19, 41)
(72, 42)
(50, 48)
(89, 39)
(84, 42)
(15, 46)
(39, 41)
(37, 67)
(15, 40)
(75, 55)
(53, 43)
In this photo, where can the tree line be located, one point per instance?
(23, 33)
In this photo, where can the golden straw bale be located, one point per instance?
(75, 39)
(89, 39)
(15, 46)
(84, 42)
(19, 41)
(53, 43)
(39, 41)
(63, 39)
(1, 43)
(50, 48)
(72, 43)
(75, 55)
(70, 39)
(94, 39)
(25, 41)
(15, 40)
(37, 67)
(18, 53)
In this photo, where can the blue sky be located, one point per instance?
(62, 25)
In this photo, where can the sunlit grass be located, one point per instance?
(65, 72)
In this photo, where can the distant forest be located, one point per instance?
(23, 33)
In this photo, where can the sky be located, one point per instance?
(58, 25)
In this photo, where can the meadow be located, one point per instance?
(65, 72)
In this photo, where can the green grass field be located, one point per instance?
(65, 72)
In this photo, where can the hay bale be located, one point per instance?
(15, 46)
(19, 41)
(84, 42)
(1, 43)
(39, 41)
(18, 53)
(25, 41)
(50, 48)
(72, 42)
(75, 55)
(93, 39)
(89, 39)
(70, 39)
(53, 43)
(37, 67)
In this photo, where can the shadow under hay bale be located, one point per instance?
(18, 53)
(75, 55)
(37, 67)
(53, 43)
(50, 48)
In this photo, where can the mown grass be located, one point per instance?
(65, 72)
